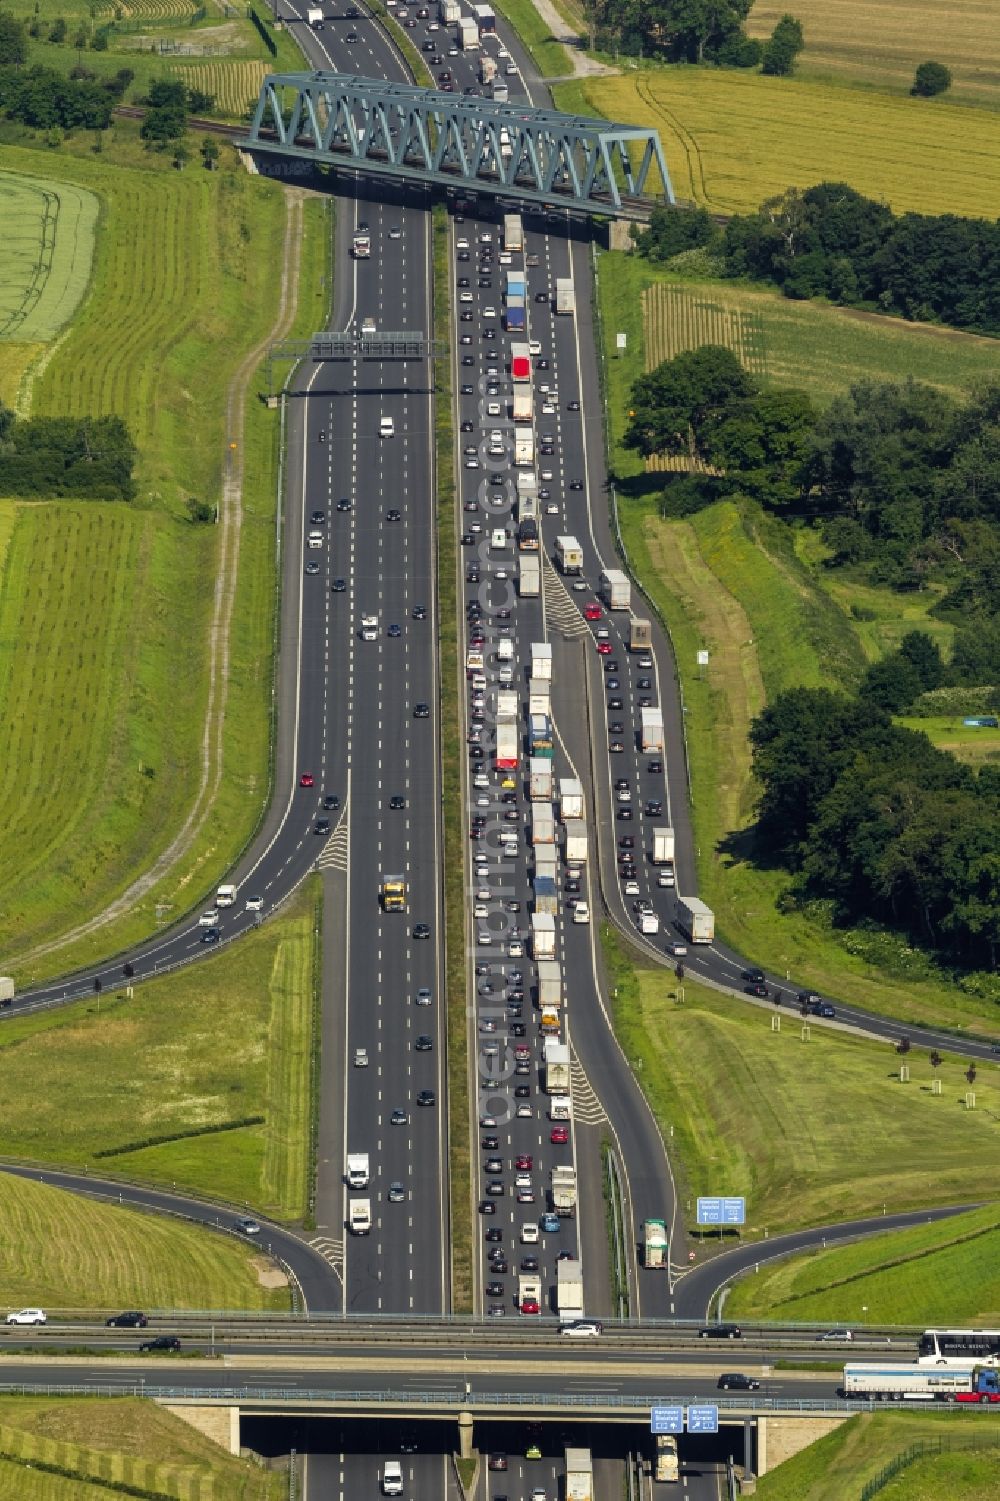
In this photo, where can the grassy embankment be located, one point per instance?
(732, 139)
(880, 45)
(941, 1274)
(756, 596)
(836, 1467)
(106, 703)
(550, 57)
(63, 1251)
(203, 1079)
(451, 788)
(91, 1449)
(775, 1117)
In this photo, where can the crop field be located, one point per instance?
(183, 284)
(45, 255)
(841, 1464)
(121, 1442)
(156, 10)
(774, 1116)
(880, 42)
(944, 1274)
(234, 85)
(733, 139)
(203, 1078)
(66, 1252)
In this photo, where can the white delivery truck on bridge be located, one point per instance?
(695, 919)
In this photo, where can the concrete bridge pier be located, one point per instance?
(465, 1434)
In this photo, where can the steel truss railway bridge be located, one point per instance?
(512, 150)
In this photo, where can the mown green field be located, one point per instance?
(63, 1251)
(184, 283)
(774, 1116)
(733, 138)
(836, 1467)
(945, 1275)
(45, 255)
(217, 1055)
(880, 42)
(757, 597)
(118, 1442)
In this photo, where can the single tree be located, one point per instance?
(970, 1073)
(57, 31)
(783, 47)
(209, 154)
(935, 1059)
(930, 79)
(13, 41)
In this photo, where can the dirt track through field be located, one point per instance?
(230, 526)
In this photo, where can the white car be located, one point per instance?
(462, 242)
(489, 312)
(534, 346)
(480, 910)
(209, 919)
(548, 410)
(465, 296)
(631, 888)
(676, 948)
(552, 509)
(360, 1057)
(529, 1237)
(27, 1316)
(581, 913)
(524, 1112)
(583, 1328)
(515, 949)
(666, 878)
(493, 409)
(315, 539)
(255, 904)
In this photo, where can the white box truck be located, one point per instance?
(523, 404)
(6, 990)
(529, 1289)
(545, 895)
(506, 703)
(539, 701)
(655, 1254)
(616, 589)
(562, 1190)
(651, 727)
(529, 576)
(569, 555)
(579, 1475)
(543, 935)
(546, 863)
(565, 295)
(225, 896)
(543, 824)
(569, 1289)
(524, 446)
(468, 34)
(541, 660)
(649, 922)
(357, 1170)
(449, 12)
(360, 1216)
(663, 846)
(314, 16)
(540, 779)
(556, 1058)
(666, 1465)
(549, 984)
(576, 842)
(513, 232)
(640, 635)
(696, 920)
(571, 798)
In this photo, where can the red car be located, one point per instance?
(307, 779)
(592, 612)
(530, 1306)
(604, 647)
(525, 1163)
(559, 1136)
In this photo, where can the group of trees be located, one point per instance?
(830, 241)
(85, 457)
(903, 479)
(45, 99)
(877, 819)
(169, 103)
(693, 31)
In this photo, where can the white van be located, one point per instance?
(386, 428)
(498, 539)
(225, 896)
(392, 1478)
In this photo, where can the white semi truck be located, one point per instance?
(651, 727)
(569, 1289)
(556, 1057)
(562, 1190)
(569, 555)
(616, 589)
(696, 920)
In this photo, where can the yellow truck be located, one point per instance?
(393, 894)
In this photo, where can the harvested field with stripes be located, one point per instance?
(233, 85)
(45, 254)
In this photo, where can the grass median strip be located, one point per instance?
(773, 1115)
(202, 1079)
(451, 788)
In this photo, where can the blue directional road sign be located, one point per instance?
(666, 1420)
(703, 1420)
(722, 1211)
